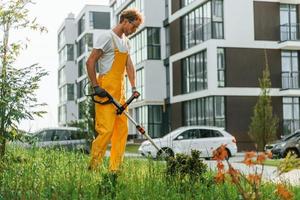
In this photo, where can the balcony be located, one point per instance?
(290, 80)
(290, 36)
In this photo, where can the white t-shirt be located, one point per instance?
(105, 43)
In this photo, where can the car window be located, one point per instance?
(190, 134)
(62, 135)
(205, 133)
(77, 135)
(48, 135)
(215, 133)
(297, 134)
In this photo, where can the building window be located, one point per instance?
(289, 69)
(288, 22)
(184, 3)
(99, 20)
(61, 75)
(85, 44)
(62, 114)
(153, 43)
(81, 89)
(221, 67)
(61, 39)
(205, 111)
(291, 115)
(66, 54)
(81, 67)
(81, 109)
(70, 92)
(145, 45)
(136, 4)
(150, 117)
(139, 84)
(203, 23)
(81, 25)
(194, 73)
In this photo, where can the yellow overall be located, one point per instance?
(109, 125)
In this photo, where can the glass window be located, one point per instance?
(81, 25)
(291, 115)
(99, 20)
(205, 111)
(194, 73)
(221, 67)
(61, 38)
(288, 22)
(290, 69)
(81, 67)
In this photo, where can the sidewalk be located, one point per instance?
(270, 173)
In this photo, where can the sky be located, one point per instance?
(42, 49)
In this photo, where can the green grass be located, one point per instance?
(132, 148)
(53, 174)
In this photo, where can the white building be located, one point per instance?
(75, 41)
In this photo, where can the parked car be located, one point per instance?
(270, 146)
(291, 146)
(182, 140)
(70, 138)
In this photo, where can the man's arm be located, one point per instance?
(91, 63)
(130, 69)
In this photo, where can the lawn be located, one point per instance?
(53, 174)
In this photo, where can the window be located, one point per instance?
(61, 76)
(81, 67)
(205, 111)
(85, 44)
(290, 69)
(145, 45)
(81, 25)
(61, 38)
(62, 114)
(99, 20)
(81, 89)
(150, 117)
(194, 75)
(221, 67)
(288, 22)
(66, 54)
(139, 84)
(81, 110)
(203, 23)
(291, 114)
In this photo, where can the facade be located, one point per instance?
(75, 41)
(147, 51)
(217, 55)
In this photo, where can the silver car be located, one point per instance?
(182, 140)
(70, 138)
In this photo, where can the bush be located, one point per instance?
(186, 167)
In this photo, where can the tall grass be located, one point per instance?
(55, 174)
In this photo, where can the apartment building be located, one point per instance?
(76, 36)
(217, 55)
(147, 51)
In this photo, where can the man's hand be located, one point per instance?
(135, 92)
(100, 91)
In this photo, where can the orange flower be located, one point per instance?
(254, 178)
(220, 177)
(248, 161)
(283, 192)
(261, 158)
(269, 154)
(220, 166)
(220, 153)
(250, 154)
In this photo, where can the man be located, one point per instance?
(111, 50)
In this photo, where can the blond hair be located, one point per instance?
(131, 14)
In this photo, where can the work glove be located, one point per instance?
(100, 91)
(135, 92)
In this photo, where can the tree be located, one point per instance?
(264, 124)
(17, 85)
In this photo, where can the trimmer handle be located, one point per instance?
(108, 101)
(134, 95)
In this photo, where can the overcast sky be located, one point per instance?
(42, 49)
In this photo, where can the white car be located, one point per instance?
(184, 139)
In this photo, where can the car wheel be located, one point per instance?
(293, 152)
(165, 153)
